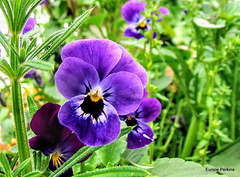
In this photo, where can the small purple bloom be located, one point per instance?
(142, 134)
(164, 11)
(43, 2)
(53, 138)
(101, 81)
(29, 25)
(36, 76)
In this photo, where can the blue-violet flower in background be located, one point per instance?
(29, 25)
(53, 138)
(137, 22)
(142, 134)
(43, 2)
(34, 74)
(94, 78)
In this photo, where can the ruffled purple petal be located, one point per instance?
(103, 54)
(43, 144)
(40, 121)
(149, 110)
(131, 31)
(94, 133)
(140, 136)
(131, 11)
(126, 63)
(145, 93)
(123, 90)
(75, 77)
(164, 10)
(29, 25)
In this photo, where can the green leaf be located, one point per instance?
(4, 42)
(229, 158)
(33, 174)
(124, 171)
(163, 82)
(22, 166)
(77, 23)
(5, 164)
(112, 152)
(135, 155)
(38, 64)
(32, 106)
(223, 137)
(5, 68)
(206, 24)
(178, 167)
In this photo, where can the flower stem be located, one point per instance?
(19, 122)
(233, 108)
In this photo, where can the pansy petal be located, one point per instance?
(149, 110)
(42, 143)
(103, 54)
(123, 90)
(126, 63)
(131, 11)
(140, 136)
(131, 31)
(164, 10)
(75, 77)
(92, 132)
(29, 25)
(40, 120)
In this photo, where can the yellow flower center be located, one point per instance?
(96, 94)
(56, 158)
(142, 25)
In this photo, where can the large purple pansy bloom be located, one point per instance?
(53, 138)
(142, 134)
(131, 12)
(29, 25)
(94, 77)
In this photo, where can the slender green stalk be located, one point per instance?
(233, 107)
(191, 137)
(19, 122)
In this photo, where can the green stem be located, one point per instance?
(19, 122)
(233, 108)
(191, 137)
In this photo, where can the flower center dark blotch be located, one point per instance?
(142, 26)
(92, 105)
(131, 121)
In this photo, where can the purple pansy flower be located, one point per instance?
(164, 11)
(36, 76)
(131, 12)
(53, 138)
(142, 134)
(29, 25)
(95, 77)
(43, 2)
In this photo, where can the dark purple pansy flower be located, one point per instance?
(101, 81)
(43, 2)
(36, 76)
(142, 134)
(29, 25)
(53, 138)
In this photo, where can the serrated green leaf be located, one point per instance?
(111, 153)
(229, 158)
(5, 165)
(32, 106)
(135, 155)
(39, 64)
(22, 166)
(176, 167)
(223, 137)
(124, 171)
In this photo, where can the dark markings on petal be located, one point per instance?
(93, 108)
(106, 90)
(87, 88)
(142, 26)
(137, 114)
(131, 121)
(107, 95)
